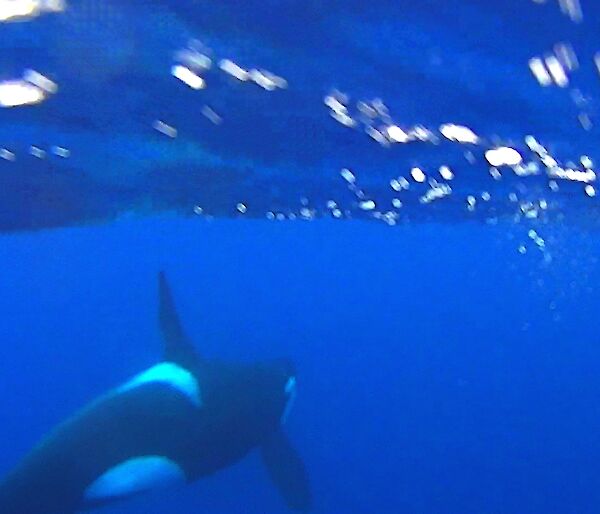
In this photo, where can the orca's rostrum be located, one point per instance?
(182, 419)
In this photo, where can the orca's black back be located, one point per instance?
(153, 419)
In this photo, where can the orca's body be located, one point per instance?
(182, 419)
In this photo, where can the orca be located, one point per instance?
(184, 418)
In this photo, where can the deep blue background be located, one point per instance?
(439, 369)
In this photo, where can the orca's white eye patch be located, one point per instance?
(134, 476)
(169, 374)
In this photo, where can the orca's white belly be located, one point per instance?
(134, 476)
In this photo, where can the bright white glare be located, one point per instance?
(422, 133)
(495, 174)
(597, 61)
(37, 152)
(397, 135)
(471, 202)
(503, 156)
(572, 8)
(435, 193)
(234, 70)
(11, 10)
(535, 146)
(165, 129)
(590, 191)
(567, 56)
(538, 68)
(334, 104)
(306, 213)
(399, 184)
(368, 110)
(348, 176)
(37, 79)
(262, 80)
(572, 175)
(343, 118)
(7, 155)
(23, 10)
(188, 77)
(557, 71)
(585, 121)
(19, 92)
(267, 80)
(376, 135)
(458, 133)
(367, 205)
(446, 173)
(549, 161)
(418, 175)
(61, 151)
(211, 115)
(193, 59)
(524, 170)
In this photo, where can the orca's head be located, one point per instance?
(269, 391)
(249, 401)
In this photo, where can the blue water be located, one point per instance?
(448, 364)
(434, 376)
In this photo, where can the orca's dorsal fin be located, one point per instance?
(287, 471)
(177, 346)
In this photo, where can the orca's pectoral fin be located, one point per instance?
(177, 347)
(287, 471)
